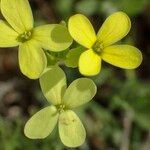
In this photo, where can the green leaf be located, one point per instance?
(53, 84)
(54, 58)
(72, 57)
(79, 92)
(71, 129)
(51, 60)
(42, 123)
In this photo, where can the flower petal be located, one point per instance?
(53, 84)
(71, 129)
(18, 14)
(54, 37)
(123, 56)
(89, 63)
(42, 123)
(82, 30)
(32, 59)
(7, 35)
(72, 58)
(114, 28)
(79, 92)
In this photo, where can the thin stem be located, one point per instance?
(127, 124)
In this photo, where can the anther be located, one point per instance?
(98, 47)
(26, 36)
(60, 108)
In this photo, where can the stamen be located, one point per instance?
(60, 108)
(26, 36)
(98, 47)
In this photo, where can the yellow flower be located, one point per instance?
(64, 100)
(100, 47)
(20, 31)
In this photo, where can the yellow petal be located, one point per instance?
(82, 30)
(79, 92)
(18, 14)
(41, 124)
(7, 35)
(71, 130)
(53, 37)
(123, 56)
(53, 84)
(89, 63)
(32, 59)
(114, 28)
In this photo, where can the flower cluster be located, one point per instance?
(40, 50)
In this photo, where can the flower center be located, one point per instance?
(60, 108)
(98, 47)
(26, 36)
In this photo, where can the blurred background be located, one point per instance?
(119, 116)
